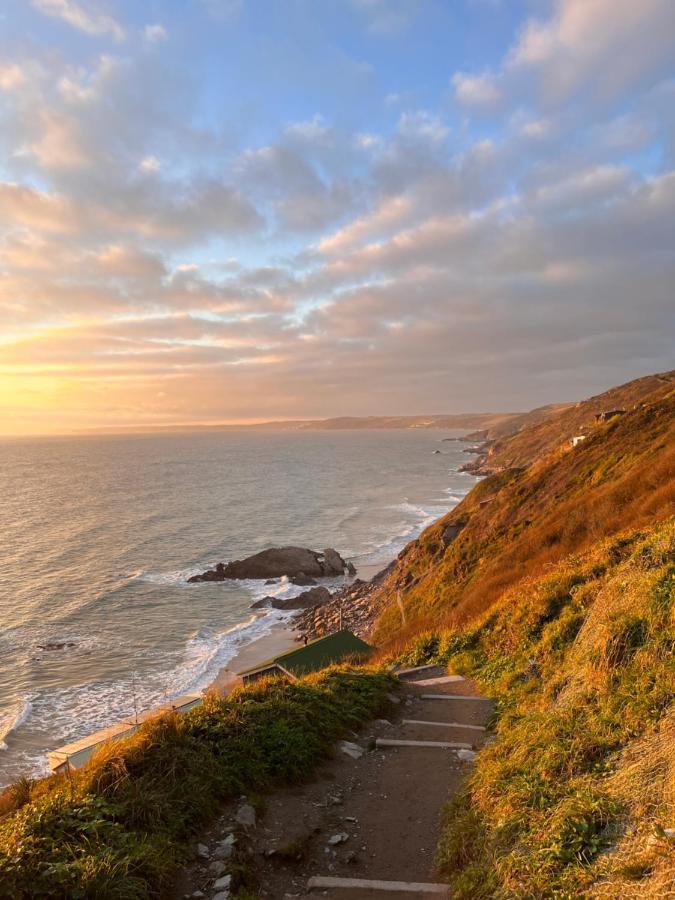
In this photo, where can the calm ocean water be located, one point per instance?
(99, 534)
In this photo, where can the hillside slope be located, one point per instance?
(553, 586)
(520, 445)
(516, 422)
(575, 796)
(520, 520)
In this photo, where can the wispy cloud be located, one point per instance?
(85, 17)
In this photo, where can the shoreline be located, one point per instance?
(281, 637)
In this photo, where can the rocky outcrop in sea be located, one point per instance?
(296, 563)
(307, 600)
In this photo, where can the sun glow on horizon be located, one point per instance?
(441, 206)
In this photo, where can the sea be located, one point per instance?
(99, 534)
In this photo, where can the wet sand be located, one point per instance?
(281, 638)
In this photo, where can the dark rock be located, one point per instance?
(451, 531)
(263, 603)
(307, 600)
(333, 562)
(476, 467)
(293, 562)
(302, 580)
(57, 645)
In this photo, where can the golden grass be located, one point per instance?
(622, 477)
(577, 793)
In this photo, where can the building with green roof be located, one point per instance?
(325, 651)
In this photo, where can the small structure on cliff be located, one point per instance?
(316, 655)
(608, 414)
(76, 754)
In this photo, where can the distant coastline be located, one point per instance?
(467, 421)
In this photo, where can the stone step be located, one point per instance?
(437, 680)
(419, 672)
(453, 697)
(443, 724)
(461, 713)
(381, 743)
(427, 730)
(367, 888)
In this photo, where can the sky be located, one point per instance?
(240, 210)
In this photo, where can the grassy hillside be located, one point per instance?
(575, 796)
(119, 827)
(517, 522)
(559, 424)
(553, 586)
(517, 422)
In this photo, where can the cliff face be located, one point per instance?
(553, 501)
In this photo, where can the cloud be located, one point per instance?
(84, 17)
(312, 130)
(11, 76)
(22, 205)
(285, 179)
(391, 212)
(126, 262)
(155, 34)
(580, 45)
(164, 259)
(422, 125)
(476, 90)
(149, 164)
(537, 129)
(60, 144)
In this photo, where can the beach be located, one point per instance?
(281, 638)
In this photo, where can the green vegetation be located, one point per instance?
(119, 827)
(575, 793)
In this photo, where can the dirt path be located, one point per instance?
(371, 817)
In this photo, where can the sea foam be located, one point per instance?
(13, 719)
